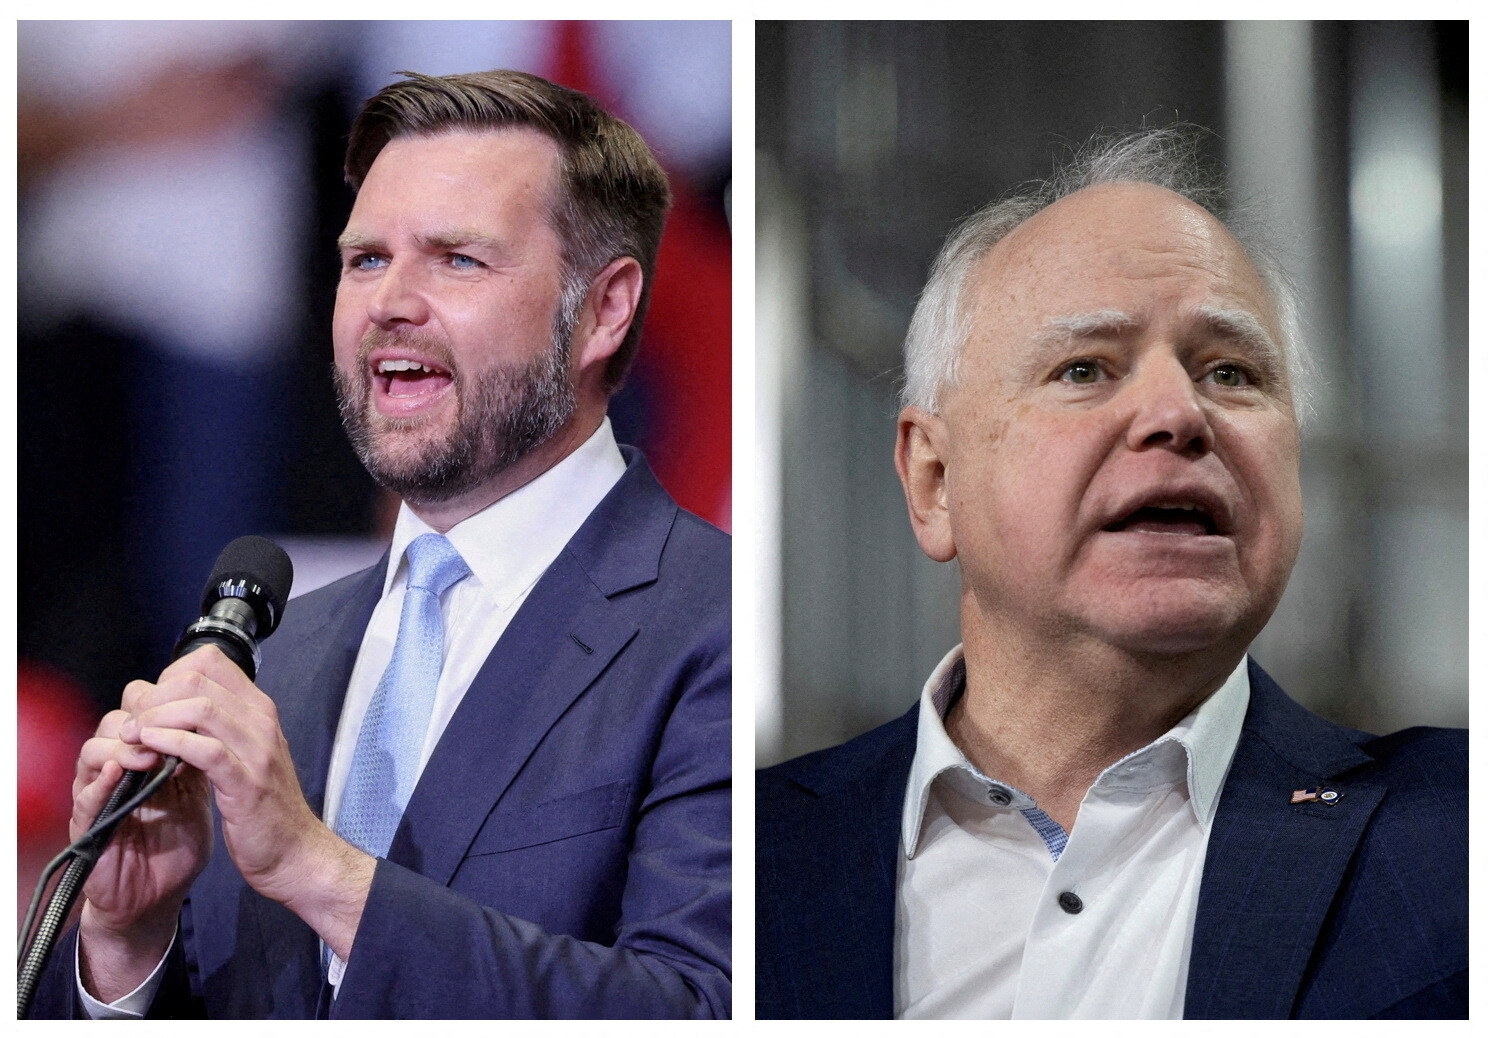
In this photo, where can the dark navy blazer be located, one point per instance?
(566, 852)
(1355, 909)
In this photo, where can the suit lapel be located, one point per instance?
(561, 639)
(559, 642)
(1273, 868)
(846, 966)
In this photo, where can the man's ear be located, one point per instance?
(608, 310)
(920, 460)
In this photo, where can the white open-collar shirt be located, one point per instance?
(1002, 915)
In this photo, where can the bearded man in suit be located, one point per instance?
(1100, 807)
(488, 777)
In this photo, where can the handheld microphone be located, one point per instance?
(241, 605)
(242, 602)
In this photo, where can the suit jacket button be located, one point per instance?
(1070, 902)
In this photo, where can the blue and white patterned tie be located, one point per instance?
(386, 761)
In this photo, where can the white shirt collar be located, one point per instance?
(509, 543)
(1207, 737)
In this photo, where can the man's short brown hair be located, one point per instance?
(614, 193)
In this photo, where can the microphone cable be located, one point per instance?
(241, 605)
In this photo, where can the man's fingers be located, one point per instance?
(201, 714)
(210, 662)
(203, 752)
(98, 750)
(209, 670)
(237, 695)
(90, 799)
(109, 726)
(95, 793)
(132, 693)
(186, 699)
(94, 753)
(195, 698)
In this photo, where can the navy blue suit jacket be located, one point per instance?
(567, 850)
(1356, 909)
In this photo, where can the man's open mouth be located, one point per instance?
(1191, 520)
(410, 378)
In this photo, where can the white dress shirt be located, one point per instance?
(508, 546)
(987, 881)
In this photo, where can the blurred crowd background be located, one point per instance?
(875, 138)
(180, 196)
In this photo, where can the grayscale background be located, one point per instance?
(874, 138)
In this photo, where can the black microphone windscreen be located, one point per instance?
(256, 560)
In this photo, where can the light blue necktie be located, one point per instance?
(385, 764)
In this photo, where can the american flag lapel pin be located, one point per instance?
(1319, 794)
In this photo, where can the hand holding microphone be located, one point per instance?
(205, 711)
(135, 891)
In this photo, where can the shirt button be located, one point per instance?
(999, 797)
(1070, 902)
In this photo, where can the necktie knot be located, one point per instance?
(433, 564)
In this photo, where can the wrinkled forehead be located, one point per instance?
(1136, 249)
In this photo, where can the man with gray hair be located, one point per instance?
(1100, 807)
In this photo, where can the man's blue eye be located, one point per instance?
(463, 262)
(367, 262)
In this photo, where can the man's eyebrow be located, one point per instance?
(1244, 329)
(457, 238)
(1058, 331)
(355, 241)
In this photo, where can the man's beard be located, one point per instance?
(501, 416)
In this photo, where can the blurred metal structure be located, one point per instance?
(875, 137)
